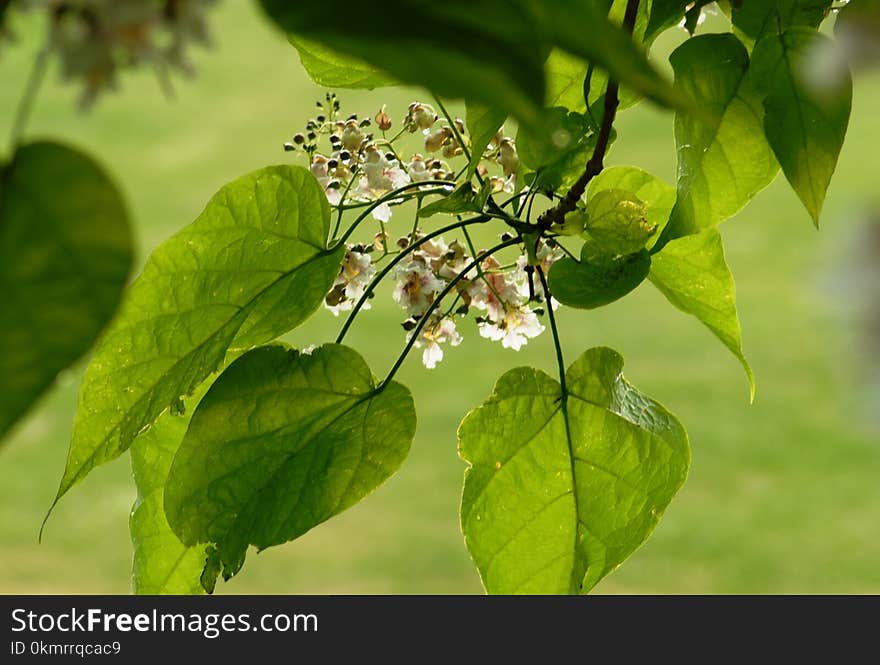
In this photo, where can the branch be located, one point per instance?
(596, 163)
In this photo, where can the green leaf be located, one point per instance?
(806, 112)
(448, 47)
(559, 133)
(665, 14)
(618, 221)
(65, 255)
(462, 199)
(597, 279)
(282, 442)
(581, 28)
(563, 173)
(721, 164)
(755, 19)
(489, 51)
(252, 266)
(658, 197)
(598, 80)
(693, 275)
(483, 123)
(565, 81)
(334, 70)
(161, 563)
(561, 491)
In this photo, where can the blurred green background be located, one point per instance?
(783, 495)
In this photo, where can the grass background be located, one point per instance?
(783, 495)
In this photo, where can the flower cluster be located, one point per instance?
(356, 164)
(94, 39)
(502, 296)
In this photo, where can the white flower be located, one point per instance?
(381, 173)
(320, 169)
(354, 277)
(382, 212)
(416, 287)
(380, 176)
(418, 169)
(496, 291)
(437, 331)
(519, 325)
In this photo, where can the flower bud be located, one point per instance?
(382, 120)
(436, 140)
(352, 136)
(420, 116)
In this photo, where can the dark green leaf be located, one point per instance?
(755, 18)
(581, 28)
(65, 255)
(489, 51)
(483, 123)
(561, 491)
(693, 275)
(449, 47)
(806, 111)
(161, 563)
(722, 164)
(254, 265)
(658, 196)
(597, 279)
(558, 133)
(334, 70)
(282, 442)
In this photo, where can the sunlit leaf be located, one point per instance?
(282, 442)
(618, 221)
(161, 563)
(724, 162)
(561, 490)
(252, 266)
(658, 196)
(806, 110)
(693, 275)
(335, 70)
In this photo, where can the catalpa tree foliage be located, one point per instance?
(240, 441)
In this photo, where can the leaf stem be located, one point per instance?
(556, 343)
(26, 103)
(397, 259)
(414, 336)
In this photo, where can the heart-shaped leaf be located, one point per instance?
(280, 443)
(563, 486)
